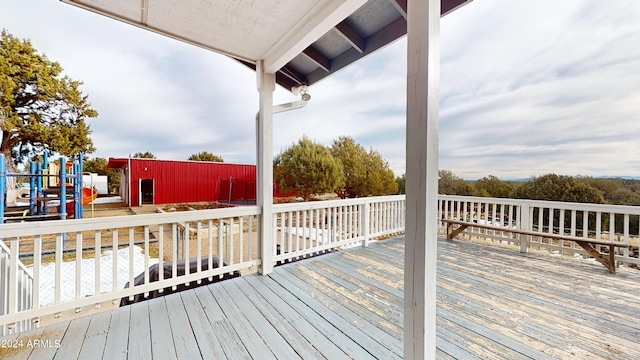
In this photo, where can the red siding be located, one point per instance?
(191, 181)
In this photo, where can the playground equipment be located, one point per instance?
(49, 187)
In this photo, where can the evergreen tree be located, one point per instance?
(40, 109)
(365, 173)
(144, 155)
(307, 168)
(205, 156)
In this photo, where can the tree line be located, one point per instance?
(549, 187)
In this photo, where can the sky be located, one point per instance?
(528, 87)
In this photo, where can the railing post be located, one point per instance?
(13, 277)
(524, 223)
(364, 221)
(3, 185)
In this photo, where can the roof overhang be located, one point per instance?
(302, 41)
(119, 163)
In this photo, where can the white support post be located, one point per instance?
(264, 159)
(423, 81)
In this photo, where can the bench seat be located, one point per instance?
(585, 243)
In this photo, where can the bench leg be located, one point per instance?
(612, 259)
(609, 262)
(451, 232)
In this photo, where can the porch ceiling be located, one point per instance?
(302, 41)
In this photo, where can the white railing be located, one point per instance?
(301, 229)
(22, 287)
(610, 222)
(75, 264)
(108, 252)
(83, 263)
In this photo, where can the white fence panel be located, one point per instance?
(106, 253)
(310, 228)
(20, 297)
(608, 222)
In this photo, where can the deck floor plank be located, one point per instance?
(8, 345)
(140, 331)
(71, 343)
(184, 340)
(51, 333)
(117, 343)
(384, 301)
(369, 311)
(342, 319)
(162, 346)
(306, 306)
(304, 321)
(353, 308)
(230, 343)
(95, 338)
(275, 327)
(492, 303)
(208, 343)
(251, 339)
(23, 340)
(548, 305)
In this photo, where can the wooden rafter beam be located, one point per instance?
(351, 36)
(293, 74)
(401, 6)
(314, 55)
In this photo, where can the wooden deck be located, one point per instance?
(493, 303)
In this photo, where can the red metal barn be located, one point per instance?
(152, 181)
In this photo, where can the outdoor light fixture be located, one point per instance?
(303, 91)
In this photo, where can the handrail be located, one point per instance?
(602, 221)
(228, 233)
(300, 230)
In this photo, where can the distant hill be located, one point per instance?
(635, 178)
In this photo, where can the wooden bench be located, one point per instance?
(585, 243)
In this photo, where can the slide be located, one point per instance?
(88, 195)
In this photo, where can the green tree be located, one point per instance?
(95, 165)
(40, 109)
(552, 187)
(380, 177)
(624, 196)
(99, 166)
(205, 156)
(365, 173)
(144, 155)
(491, 186)
(307, 168)
(402, 183)
(450, 184)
